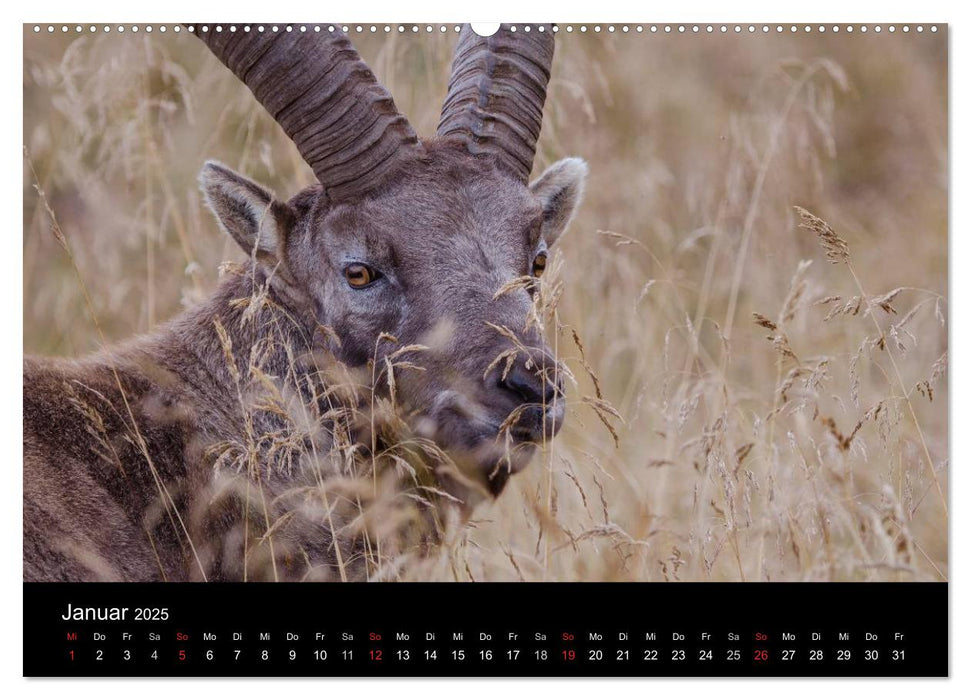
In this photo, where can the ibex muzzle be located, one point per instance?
(425, 251)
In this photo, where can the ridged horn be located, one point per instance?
(496, 94)
(315, 85)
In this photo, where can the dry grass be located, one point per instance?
(741, 410)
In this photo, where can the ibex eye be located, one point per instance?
(539, 265)
(359, 275)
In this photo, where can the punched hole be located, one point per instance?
(485, 28)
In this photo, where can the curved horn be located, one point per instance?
(496, 94)
(315, 85)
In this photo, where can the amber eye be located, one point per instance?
(539, 265)
(359, 275)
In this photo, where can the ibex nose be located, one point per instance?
(531, 385)
(537, 386)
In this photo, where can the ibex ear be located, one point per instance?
(247, 212)
(559, 190)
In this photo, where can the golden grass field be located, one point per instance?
(780, 389)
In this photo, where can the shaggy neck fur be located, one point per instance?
(180, 439)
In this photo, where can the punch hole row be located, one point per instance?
(444, 28)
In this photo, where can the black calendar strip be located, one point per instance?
(486, 629)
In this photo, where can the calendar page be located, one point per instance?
(485, 350)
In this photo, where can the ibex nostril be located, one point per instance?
(531, 387)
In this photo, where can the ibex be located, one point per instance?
(420, 253)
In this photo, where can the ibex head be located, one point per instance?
(415, 238)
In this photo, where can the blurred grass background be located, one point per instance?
(732, 460)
